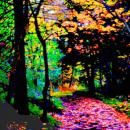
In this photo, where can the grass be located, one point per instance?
(119, 104)
(82, 87)
(35, 110)
(61, 94)
(52, 122)
(57, 103)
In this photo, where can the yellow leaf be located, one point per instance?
(111, 2)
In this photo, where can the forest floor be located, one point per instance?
(82, 113)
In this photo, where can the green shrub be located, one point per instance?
(34, 109)
(57, 103)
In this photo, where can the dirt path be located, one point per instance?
(87, 113)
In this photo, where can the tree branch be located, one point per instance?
(115, 16)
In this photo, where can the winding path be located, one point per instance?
(88, 113)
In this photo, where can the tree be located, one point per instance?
(11, 13)
(43, 42)
(21, 19)
(112, 7)
(100, 27)
(44, 34)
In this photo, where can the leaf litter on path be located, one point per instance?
(88, 113)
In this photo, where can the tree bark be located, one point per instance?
(47, 83)
(91, 80)
(21, 100)
(71, 79)
(43, 42)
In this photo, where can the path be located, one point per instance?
(87, 113)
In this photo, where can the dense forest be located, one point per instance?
(65, 64)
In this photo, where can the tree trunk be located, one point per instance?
(114, 76)
(11, 87)
(90, 77)
(44, 116)
(71, 79)
(91, 80)
(43, 42)
(21, 100)
(100, 78)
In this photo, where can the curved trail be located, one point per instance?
(88, 113)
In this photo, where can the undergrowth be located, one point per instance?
(118, 103)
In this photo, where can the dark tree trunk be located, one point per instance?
(71, 79)
(90, 77)
(113, 69)
(11, 87)
(21, 100)
(114, 76)
(127, 83)
(100, 72)
(91, 80)
(47, 83)
(43, 42)
(110, 83)
(35, 82)
(108, 79)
